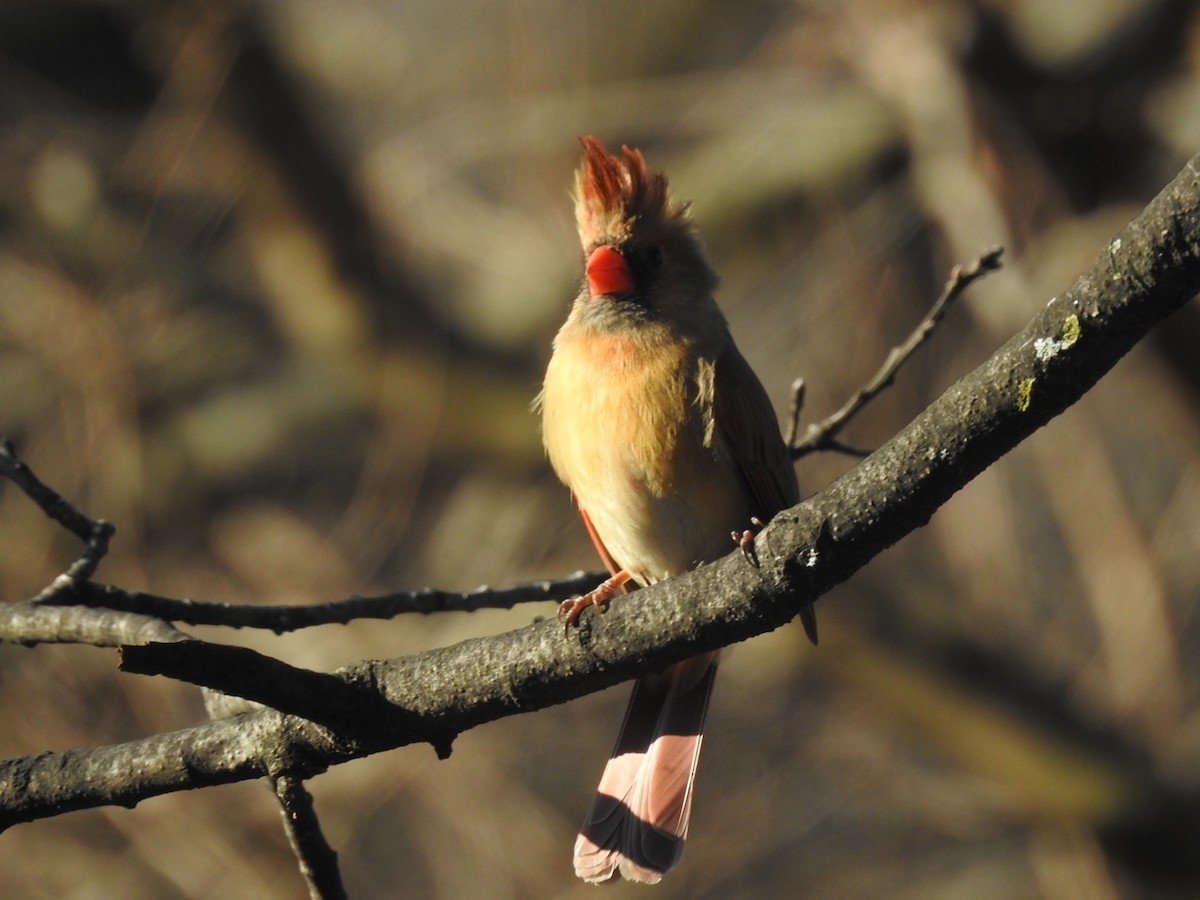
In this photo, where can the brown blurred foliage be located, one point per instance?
(277, 281)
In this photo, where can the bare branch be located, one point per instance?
(798, 391)
(1151, 269)
(318, 861)
(95, 534)
(74, 587)
(48, 499)
(32, 623)
(292, 617)
(823, 435)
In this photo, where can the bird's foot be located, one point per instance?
(745, 541)
(570, 610)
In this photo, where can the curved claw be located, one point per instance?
(569, 611)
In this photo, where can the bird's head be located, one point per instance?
(639, 246)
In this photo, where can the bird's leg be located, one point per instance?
(745, 541)
(570, 610)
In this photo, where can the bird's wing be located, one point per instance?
(747, 427)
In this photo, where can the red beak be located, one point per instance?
(607, 272)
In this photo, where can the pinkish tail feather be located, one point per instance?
(639, 819)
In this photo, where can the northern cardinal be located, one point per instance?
(670, 446)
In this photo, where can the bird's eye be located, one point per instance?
(654, 256)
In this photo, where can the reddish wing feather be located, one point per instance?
(605, 556)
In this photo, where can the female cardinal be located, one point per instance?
(668, 442)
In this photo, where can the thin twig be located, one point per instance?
(50, 501)
(318, 861)
(95, 533)
(292, 617)
(74, 587)
(798, 389)
(823, 435)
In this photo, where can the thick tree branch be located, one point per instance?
(1147, 272)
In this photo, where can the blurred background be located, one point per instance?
(278, 283)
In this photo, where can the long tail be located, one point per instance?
(639, 820)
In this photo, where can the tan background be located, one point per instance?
(277, 283)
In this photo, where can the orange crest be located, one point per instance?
(613, 192)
